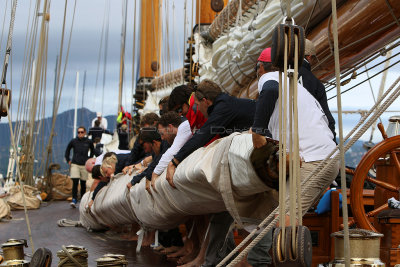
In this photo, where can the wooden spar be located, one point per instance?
(173, 77)
(207, 14)
(150, 44)
(356, 19)
(228, 16)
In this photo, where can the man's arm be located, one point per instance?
(216, 123)
(265, 107)
(91, 148)
(182, 136)
(67, 151)
(136, 152)
(323, 101)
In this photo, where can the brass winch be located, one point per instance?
(15, 263)
(364, 248)
(13, 249)
(112, 260)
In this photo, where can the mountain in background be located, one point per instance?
(63, 134)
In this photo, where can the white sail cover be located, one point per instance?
(217, 178)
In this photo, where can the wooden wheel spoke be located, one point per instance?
(382, 184)
(396, 161)
(374, 212)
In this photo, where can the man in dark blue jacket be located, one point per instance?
(152, 143)
(81, 146)
(313, 85)
(225, 114)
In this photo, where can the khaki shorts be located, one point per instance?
(78, 171)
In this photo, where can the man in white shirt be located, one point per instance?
(103, 121)
(176, 131)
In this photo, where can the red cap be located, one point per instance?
(265, 55)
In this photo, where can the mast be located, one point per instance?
(76, 103)
(150, 48)
(121, 65)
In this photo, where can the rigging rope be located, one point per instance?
(346, 246)
(4, 23)
(8, 46)
(21, 183)
(99, 56)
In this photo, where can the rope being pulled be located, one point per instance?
(319, 172)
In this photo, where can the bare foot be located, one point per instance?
(132, 236)
(188, 257)
(181, 252)
(148, 239)
(198, 261)
(170, 250)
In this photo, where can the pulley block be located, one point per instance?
(41, 258)
(287, 256)
(282, 32)
(5, 100)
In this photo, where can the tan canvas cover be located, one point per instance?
(61, 186)
(15, 199)
(5, 210)
(212, 179)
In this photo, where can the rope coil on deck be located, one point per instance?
(112, 260)
(73, 256)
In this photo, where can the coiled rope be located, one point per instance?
(72, 257)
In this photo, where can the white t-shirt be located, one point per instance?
(315, 137)
(103, 123)
(99, 159)
(183, 134)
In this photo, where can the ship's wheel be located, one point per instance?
(384, 155)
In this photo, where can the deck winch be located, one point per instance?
(13, 249)
(364, 248)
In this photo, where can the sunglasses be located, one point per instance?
(80, 132)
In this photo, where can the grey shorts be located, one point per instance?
(78, 171)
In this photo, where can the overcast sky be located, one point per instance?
(85, 44)
(84, 55)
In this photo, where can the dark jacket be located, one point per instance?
(123, 160)
(123, 138)
(317, 90)
(137, 153)
(228, 114)
(97, 132)
(149, 171)
(81, 148)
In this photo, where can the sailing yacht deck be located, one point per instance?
(46, 233)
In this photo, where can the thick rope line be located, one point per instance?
(346, 247)
(8, 46)
(315, 175)
(21, 183)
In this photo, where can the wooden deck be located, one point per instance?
(47, 234)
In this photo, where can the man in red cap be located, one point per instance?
(315, 137)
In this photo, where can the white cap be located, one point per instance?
(98, 114)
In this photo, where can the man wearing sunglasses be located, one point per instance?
(81, 146)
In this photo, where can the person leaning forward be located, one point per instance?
(225, 114)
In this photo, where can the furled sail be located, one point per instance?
(217, 178)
